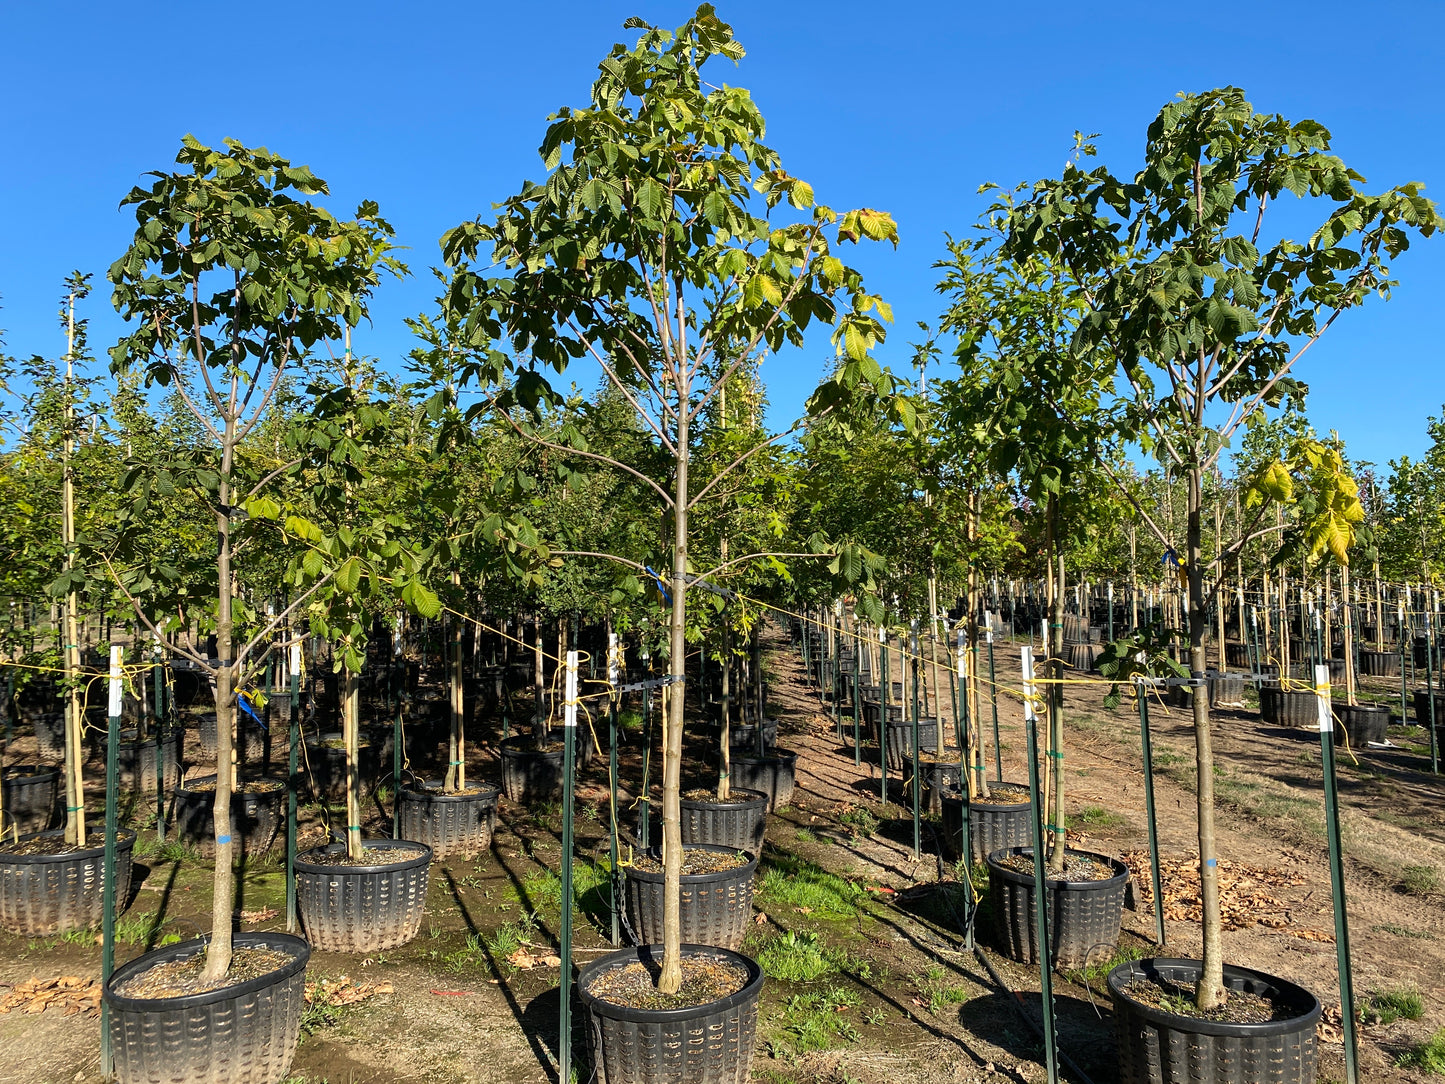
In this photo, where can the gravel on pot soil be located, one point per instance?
(370, 856)
(1077, 867)
(705, 979)
(246, 786)
(1003, 794)
(51, 845)
(696, 861)
(177, 978)
(1178, 998)
(709, 794)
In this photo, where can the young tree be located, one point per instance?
(228, 280)
(1207, 318)
(658, 247)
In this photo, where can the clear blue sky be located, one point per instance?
(435, 111)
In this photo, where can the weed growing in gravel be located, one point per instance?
(1095, 973)
(509, 937)
(859, 821)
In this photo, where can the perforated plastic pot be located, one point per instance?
(992, 825)
(43, 894)
(773, 775)
(738, 823)
(711, 1043)
(1084, 916)
(28, 798)
(717, 908)
(450, 824)
(900, 741)
(1363, 723)
(1226, 690)
(362, 908)
(1159, 1047)
(1379, 663)
(240, 1034)
(137, 761)
(255, 815)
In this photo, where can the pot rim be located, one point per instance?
(955, 794)
(425, 793)
(1149, 967)
(756, 797)
(785, 756)
(512, 747)
(298, 947)
(613, 1011)
(424, 859)
(181, 787)
(747, 869)
(1121, 871)
(27, 772)
(124, 841)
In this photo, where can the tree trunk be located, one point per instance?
(670, 980)
(456, 777)
(1211, 981)
(351, 736)
(725, 760)
(218, 952)
(1058, 834)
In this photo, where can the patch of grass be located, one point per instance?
(805, 835)
(934, 987)
(1428, 1056)
(509, 937)
(1163, 758)
(859, 821)
(1095, 973)
(469, 955)
(816, 1022)
(794, 882)
(143, 929)
(1387, 1006)
(799, 957)
(629, 719)
(1404, 931)
(1096, 817)
(1420, 880)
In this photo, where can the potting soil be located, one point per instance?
(705, 979)
(370, 856)
(1178, 998)
(1077, 868)
(44, 845)
(177, 978)
(695, 861)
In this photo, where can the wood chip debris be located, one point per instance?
(265, 914)
(1246, 899)
(74, 995)
(342, 991)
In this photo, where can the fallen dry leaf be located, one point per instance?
(69, 993)
(263, 915)
(342, 991)
(1245, 896)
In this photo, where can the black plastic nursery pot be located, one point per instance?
(247, 739)
(1159, 1047)
(245, 1033)
(137, 760)
(1236, 653)
(717, 908)
(992, 825)
(1226, 690)
(899, 752)
(1362, 723)
(366, 908)
(1288, 707)
(1379, 663)
(43, 894)
(1422, 707)
(27, 797)
(326, 762)
(50, 733)
(737, 824)
(711, 1043)
(940, 777)
(528, 774)
(1082, 656)
(256, 814)
(450, 824)
(774, 775)
(1084, 916)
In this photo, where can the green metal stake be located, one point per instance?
(1147, 745)
(160, 712)
(644, 800)
(112, 817)
(396, 762)
(993, 707)
(1041, 900)
(1337, 875)
(614, 677)
(884, 698)
(917, 777)
(569, 743)
(857, 698)
(292, 772)
(1430, 691)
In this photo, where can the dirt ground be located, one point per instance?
(903, 999)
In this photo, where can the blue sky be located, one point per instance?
(435, 110)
